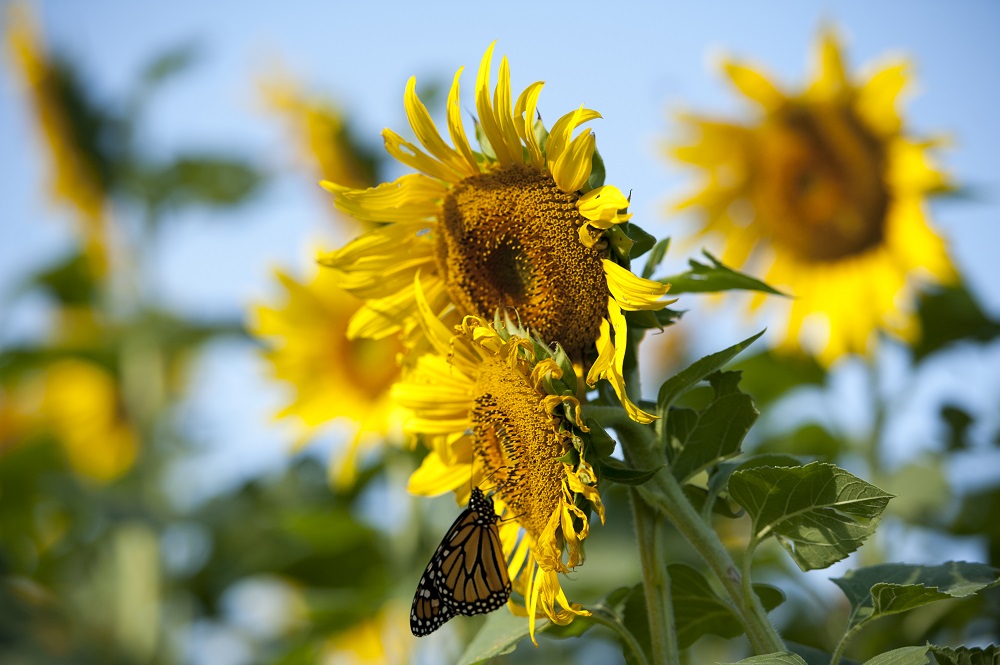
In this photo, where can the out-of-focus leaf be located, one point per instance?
(499, 635)
(811, 440)
(206, 180)
(818, 512)
(88, 124)
(950, 314)
(715, 433)
(655, 257)
(890, 588)
(713, 277)
(170, 63)
(70, 280)
(699, 611)
(922, 491)
(958, 422)
(769, 375)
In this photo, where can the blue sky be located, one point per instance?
(631, 61)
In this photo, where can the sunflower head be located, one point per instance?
(827, 188)
(334, 377)
(497, 406)
(524, 223)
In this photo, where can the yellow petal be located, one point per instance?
(427, 133)
(633, 293)
(754, 85)
(487, 116)
(455, 127)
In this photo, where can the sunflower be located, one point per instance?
(335, 377)
(828, 189)
(321, 133)
(521, 225)
(67, 124)
(497, 407)
(80, 404)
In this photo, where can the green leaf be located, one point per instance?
(673, 387)
(645, 319)
(655, 257)
(70, 280)
(716, 433)
(818, 512)
(202, 180)
(616, 472)
(779, 658)
(704, 278)
(719, 478)
(643, 241)
(891, 588)
(904, 656)
(170, 63)
(698, 611)
(965, 656)
(921, 655)
(600, 441)
(499, 635)
(770, 375)
(948, 315)
(636, 620)
(958, 422)
(810, 440)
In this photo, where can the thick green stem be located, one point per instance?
(651, 539)
(664, 493)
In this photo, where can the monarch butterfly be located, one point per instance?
(468, 572)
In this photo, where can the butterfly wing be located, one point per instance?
(468, 572)
(472, 577)
(428, 611)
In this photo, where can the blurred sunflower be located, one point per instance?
(70, 128)
(321, 133)
(80, 404)
(335, 377)
(828, 188)
(520, 225)
(497, 407)
(383, 638)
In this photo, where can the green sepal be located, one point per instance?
(643, 242)
(597, 172)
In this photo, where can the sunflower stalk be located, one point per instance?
(664, 493)
(651, 539)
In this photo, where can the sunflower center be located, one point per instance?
(819, 183)
(509, 239)
(516, 442)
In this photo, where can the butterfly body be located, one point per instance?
(467, 574)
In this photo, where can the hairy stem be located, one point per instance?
(613, 622)
(651, 540)
(664, 493)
